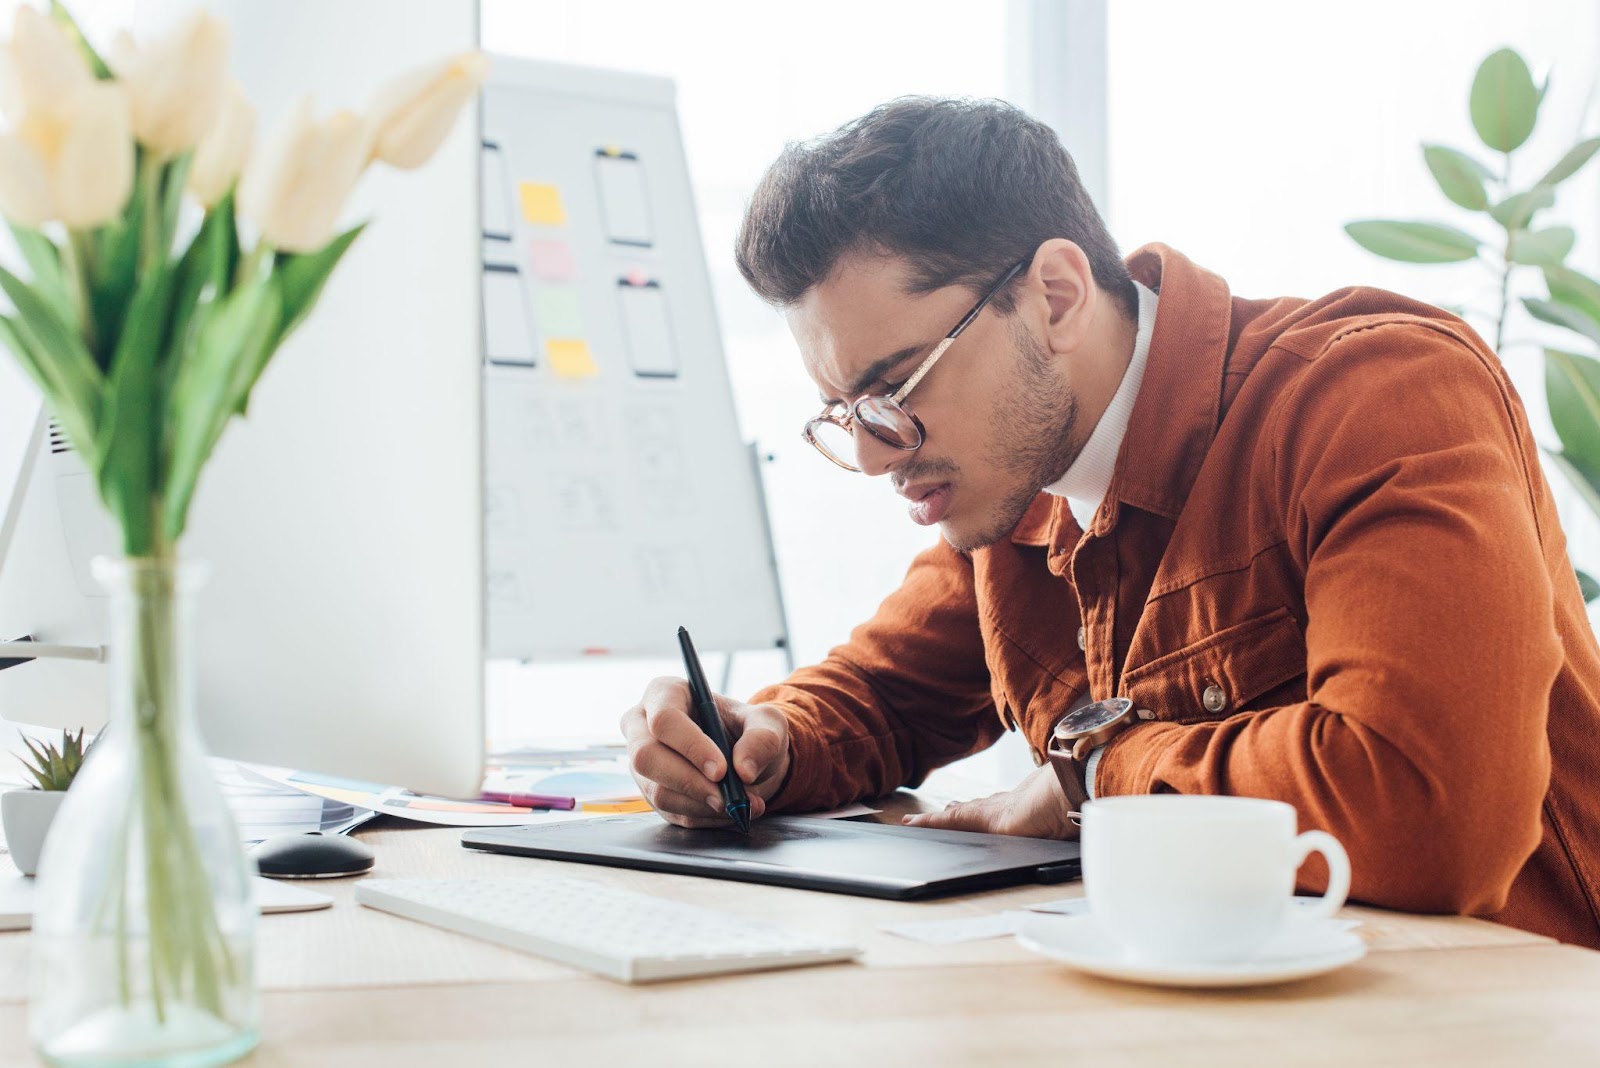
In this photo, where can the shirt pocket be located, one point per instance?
(1260, 663)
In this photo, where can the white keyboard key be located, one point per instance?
(620, 934)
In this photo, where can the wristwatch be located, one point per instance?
(1079, 733)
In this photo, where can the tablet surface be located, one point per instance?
(840, 856)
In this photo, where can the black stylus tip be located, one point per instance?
(740, 814)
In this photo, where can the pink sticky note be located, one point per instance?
(551, 261)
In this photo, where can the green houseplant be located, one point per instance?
(169, 257)
(27, 813)
(1504, 104)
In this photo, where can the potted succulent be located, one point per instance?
(27, 812)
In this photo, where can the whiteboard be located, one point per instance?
(620, 501)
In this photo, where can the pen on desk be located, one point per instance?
(734, 799)
(528, 800)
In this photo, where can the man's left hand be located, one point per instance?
(1036, 808)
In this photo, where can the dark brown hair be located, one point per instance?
(959, 189)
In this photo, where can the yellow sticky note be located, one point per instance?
(571, 359)
(541, 204)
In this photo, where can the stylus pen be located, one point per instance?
(734, 799)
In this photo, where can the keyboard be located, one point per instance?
(619, 934)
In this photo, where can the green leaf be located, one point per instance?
(207, 388)
(49, 278)
(116, 273)
(1587, 585)
(1518, 209)
(1572, 162)
(300, 278)
(59, 12)
(173, 178)
(1459, 176)
(60, 362)
(1574, 289)
(130, 442)
(1544, 248)
(1504, 102)
(1413, 242)
(1588, 489)
(1572, 386)
(1563, 315)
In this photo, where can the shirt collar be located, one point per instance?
(1178, 407)
(1085, 483)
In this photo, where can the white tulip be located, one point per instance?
(40, 67)
(177, 83)
(296, 185)
(221, 154)
(92, 171)
(412, 115)
(24, 183)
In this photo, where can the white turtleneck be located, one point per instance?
(1087, 480)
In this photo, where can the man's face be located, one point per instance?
(999, 414)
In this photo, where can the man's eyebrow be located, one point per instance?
(879, 369)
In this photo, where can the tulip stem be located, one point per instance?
(252, 263)
(151, 254)
(75, 254)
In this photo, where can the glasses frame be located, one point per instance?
(846, 419)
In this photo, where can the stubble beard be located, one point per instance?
(1033, 429)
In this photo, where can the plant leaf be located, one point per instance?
(1572, 385)
(1587, 489)
(1504, 101)
(116, 274)
(59, 360)
(130, 442)
(49, 279)
(1460, 176)
(1587, 585)
(1574, 289)
(1563, 315)
(1413, 242)
(301, 278)
(59, 12)
(1544, 248)
(1572, 162)
(174, 176)
(206, 388)
(1518, 209)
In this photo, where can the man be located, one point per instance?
(1308, 541)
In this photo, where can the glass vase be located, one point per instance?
(143, 945)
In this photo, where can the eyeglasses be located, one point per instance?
(883, 415)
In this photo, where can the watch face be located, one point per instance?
(1091, 717)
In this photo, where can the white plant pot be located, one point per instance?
(27, 815)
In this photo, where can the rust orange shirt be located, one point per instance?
(1328, 571)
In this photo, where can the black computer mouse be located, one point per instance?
(312, 856)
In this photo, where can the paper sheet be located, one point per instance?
(541, 204)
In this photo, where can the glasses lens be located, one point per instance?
(889, 422)
(837, 442)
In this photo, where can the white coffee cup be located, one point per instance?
(1190, 879)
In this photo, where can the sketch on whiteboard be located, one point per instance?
(505, 589)
(667, 573)
(619, 177)
(581, 428)
(583, 502)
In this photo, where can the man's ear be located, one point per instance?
(1061, 273)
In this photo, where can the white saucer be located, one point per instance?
(1304, 948)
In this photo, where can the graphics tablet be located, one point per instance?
(842, 857)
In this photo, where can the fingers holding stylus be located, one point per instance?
(669, 720)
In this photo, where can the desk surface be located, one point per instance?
(353, 987)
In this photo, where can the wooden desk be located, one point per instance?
(350, 987)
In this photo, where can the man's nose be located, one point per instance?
(873, 456)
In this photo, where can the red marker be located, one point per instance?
(529, 800)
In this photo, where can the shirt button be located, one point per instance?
(1082, 639)
(1145, 713)
(1215, 698)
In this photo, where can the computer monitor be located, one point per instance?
(342, 629)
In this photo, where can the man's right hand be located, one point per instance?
(678, 766)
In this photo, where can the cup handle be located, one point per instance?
(1338, 870)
